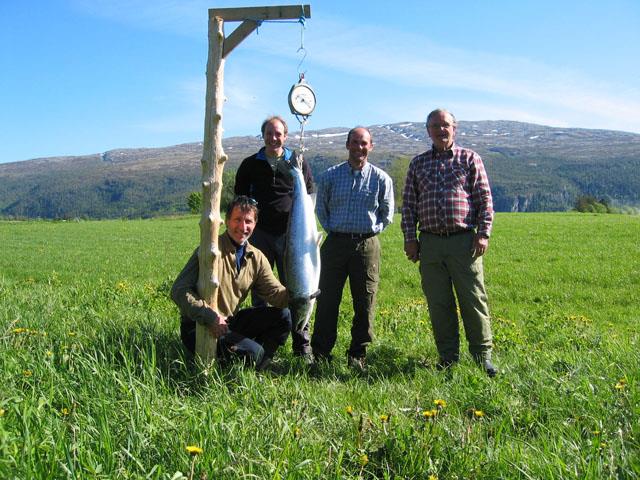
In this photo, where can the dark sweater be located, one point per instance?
(272, 191)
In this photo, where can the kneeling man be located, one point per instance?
(252, 334)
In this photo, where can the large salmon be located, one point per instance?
(302, 251)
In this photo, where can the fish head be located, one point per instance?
(301, 308)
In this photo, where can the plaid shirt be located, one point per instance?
(446, 192)
(354, 201)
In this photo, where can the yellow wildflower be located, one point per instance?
(297, 432)
(20, 330)
(49, 353)
(349, 410)
(2, 412)
(430, 413)
(364, 459)
(440, 403)
(478, 413)
(193, 450)
(27, 373)
(384, 418)
(596, 432)
(433, 477)
(65, 411)
(619, 386)
(603, 445)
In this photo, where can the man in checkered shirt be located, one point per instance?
(447, 198)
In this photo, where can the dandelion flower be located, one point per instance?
(384, 418)
(440, 403)
(430, 413)
(364, 459)
(193, 450)
(349, 410)
(65, 411)
(603, 444)
(478, 413)
(619, 386)
(49, 353)
(433, 477)
(596, 432)
(27, 373)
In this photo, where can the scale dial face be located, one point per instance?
(302, 99)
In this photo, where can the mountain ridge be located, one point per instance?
(531, 168)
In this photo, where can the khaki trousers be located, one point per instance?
(446, 265)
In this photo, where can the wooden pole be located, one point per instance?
(213, 159)
(213, 156)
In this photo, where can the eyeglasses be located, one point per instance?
(245, 199)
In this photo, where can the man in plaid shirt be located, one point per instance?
(448, 199)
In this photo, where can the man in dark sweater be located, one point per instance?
(260, 177)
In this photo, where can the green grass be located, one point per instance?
(97, 386)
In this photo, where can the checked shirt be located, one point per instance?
(446, 192)
(355, 201)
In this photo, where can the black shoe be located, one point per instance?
(264, 363)
(306, 358)
(445, 364)
(489, 368)
(359, 364)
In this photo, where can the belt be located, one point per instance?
(447, 234)
(353, 236)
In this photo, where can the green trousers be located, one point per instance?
(447, 265)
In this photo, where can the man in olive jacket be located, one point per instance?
(253, 334)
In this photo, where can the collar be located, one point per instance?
(362, 171)
(287, 154)
(445, 154)
(237, 246)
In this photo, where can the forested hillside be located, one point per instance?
(531, 168)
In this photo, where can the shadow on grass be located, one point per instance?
(152, 349)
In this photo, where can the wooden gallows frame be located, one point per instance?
(213, 156)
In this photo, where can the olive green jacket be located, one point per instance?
(255, 272)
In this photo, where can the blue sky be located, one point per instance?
(87, 76)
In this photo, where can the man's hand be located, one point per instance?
(480, 245)
(219, 328)
(412, 250)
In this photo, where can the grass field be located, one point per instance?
(94, 382)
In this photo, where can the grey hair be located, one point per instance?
(438, 111)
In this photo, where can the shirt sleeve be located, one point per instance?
(267, 285)
(386, 202)
(243, 180)
(322, 199)
(409, 205)
(184, 294)
(481, 197)
(308, 177)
